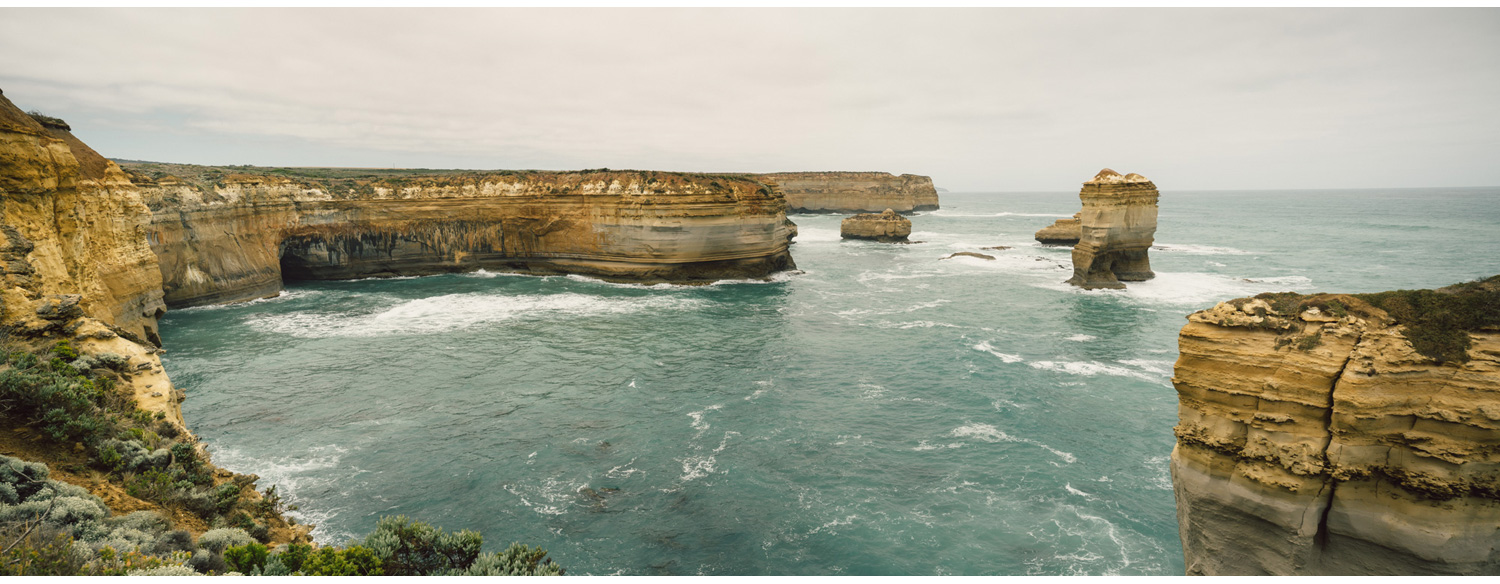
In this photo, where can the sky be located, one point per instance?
(1004, 99)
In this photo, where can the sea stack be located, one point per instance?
(1117, 226)
(888, 227)
(1061, 232)
(1341, 434)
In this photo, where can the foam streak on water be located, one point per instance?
(885, 411)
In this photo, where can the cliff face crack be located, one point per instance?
(1320, 538)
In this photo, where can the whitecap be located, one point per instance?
(281, 296)
(1081, 338)
(1191, 288)
(1006, 357)
(1070, 489)
(457, 311)
(696, 467)
(992, 434)
(811, 234)
(1198, 249)
(1092, 368)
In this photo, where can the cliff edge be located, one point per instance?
(226, 234)
(1341, 434)
(854, 192)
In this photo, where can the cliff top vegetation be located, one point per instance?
(205, 177)
(1437, 322)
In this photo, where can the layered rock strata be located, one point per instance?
(240, 235)
(1061, 232)
(1117, 227)
(888, 227)
(74, 263)
(1316, 439)
(854, 192)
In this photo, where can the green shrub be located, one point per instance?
(352, 561)
(516, 560)
(294, 556)
(225, 496)
(248, 558)
(413, 548)
(218, 540)
(1437, 322)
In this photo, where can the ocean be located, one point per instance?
(884, 411)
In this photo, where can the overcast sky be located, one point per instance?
(979, 99)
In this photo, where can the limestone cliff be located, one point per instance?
(237, 236)
(1061, 232)
(1341, 434)
(888, 227)
(854, 192)
(1118, 224)
(74, 255)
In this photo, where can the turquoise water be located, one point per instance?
(883, 412)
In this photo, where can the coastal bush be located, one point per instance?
(291, 558)
(218, 540)
(1437, 322)
(516, 560)
(54, 528)
(351, 561)
(414, 548)
(248, 558)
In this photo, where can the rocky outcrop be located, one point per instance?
(238, 236)
(1341, 434)
(854, 192)
(1061, 232)
(70, 224)
(1118, 224)
(73, 251)
(887, 227)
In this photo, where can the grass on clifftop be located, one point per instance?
(343, 177)
(1436, 322)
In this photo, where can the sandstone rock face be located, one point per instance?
(74, 263)
(854, 192)
(1061, 232)
(238, 238)
(1117, 227)
(1315, 440)
(67, 228)
(888, 226)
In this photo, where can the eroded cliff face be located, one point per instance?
(73, 250)
(854, 192)
(1315, 439)
(1118, 225)
(239, 237)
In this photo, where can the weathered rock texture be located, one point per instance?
(854, 192)
(1061, 232)
(239, 236)
(1118, 224)
(74, 255)
(1316, 439)
(888, 227)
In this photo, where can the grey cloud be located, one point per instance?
(991, 99)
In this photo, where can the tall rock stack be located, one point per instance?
(1341, 434)
(1118, 225)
